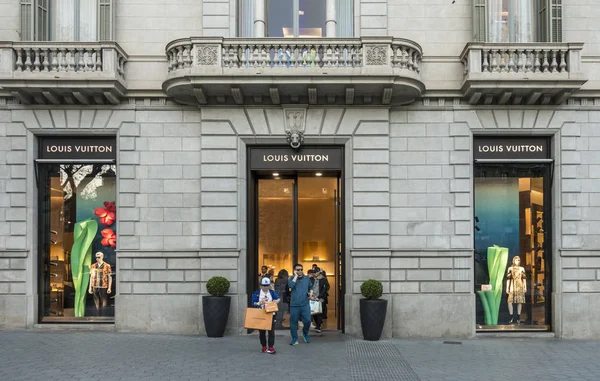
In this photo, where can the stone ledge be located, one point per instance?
(216, 253)
(579, 253)
(14, 253)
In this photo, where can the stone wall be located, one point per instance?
(408, 208)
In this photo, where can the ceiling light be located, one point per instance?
(318, 174)
(275, 174)
(301, 13)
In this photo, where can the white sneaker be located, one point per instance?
(313, 326)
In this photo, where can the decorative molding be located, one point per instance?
(376, 55)
(295, 125)
(207, 55)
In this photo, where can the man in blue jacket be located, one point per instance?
(299, 308)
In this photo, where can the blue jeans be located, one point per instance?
(295, 314)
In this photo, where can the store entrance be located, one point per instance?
(299, 220)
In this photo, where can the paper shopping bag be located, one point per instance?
(271, 307)
(315, 307)
(256, 318)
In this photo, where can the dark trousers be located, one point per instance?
(262, 335)
(318, 318)
(101, 300)
(295, 314)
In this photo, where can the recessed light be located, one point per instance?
(318, 174)
(275, 174)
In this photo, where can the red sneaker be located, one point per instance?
(271, 350)
(264, 349)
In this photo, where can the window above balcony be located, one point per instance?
(67, 20)
(295, 18)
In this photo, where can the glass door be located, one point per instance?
(298, 220)
(276, 241)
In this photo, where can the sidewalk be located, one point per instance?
(89, 356)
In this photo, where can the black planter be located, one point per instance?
(372, 317)
(216, 311)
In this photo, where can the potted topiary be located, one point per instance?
(215, 308)
(372, 309)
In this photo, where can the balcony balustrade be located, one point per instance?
(368, 70)
(63, 73)
(531, 73)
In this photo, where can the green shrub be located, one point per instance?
(371, 289)
(217, 286)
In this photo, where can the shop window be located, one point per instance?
(517, 21)
(77, 233)
(512, 255)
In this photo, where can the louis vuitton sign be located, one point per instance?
(305, 158)
(503, 148)
(78, 148)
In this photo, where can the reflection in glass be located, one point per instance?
(511, 20)
(311, 16)
(316, 235)
(275, 224)
(78, 217)
(511, 277)
(280, 17)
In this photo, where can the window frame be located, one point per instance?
(548, 21)
(344, 18)
(32, 30)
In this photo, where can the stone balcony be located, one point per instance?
(367, 70)
(524, 73)
(63, 72)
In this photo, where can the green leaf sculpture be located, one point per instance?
(497, 259)
(81, 259)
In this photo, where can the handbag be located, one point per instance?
(271, 307)
(315, 307)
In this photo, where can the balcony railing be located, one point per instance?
(521, 73)
(29, 69)
(264, 65)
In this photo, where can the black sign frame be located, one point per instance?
(70, 148)
(305, 158)
(511, 148)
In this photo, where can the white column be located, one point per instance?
(88, 19)
(331, 19)
(259, 18)
(64, 25)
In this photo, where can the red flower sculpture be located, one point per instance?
(107, 214)
(109, 238)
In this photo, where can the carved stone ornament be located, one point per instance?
(295, 123)
(376, 55)
(207, 55)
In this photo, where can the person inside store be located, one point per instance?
(261, 297)
(281, 288)
(264, 272)
(516, 287)
(100, 283)
(319, 292)
(301, 288)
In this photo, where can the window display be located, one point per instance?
(510, 253)
(77, 229)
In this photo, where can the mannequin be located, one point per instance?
(100, 283)
(516, 287)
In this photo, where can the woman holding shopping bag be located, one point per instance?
(260, 298)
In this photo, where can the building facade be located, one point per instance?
(450, 150)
